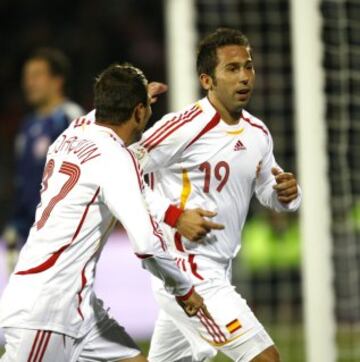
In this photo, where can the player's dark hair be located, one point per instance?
(207, 60)
(118, 90)
(58, 62)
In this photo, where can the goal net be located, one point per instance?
(341, 60)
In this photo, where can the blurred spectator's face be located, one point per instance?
(40, 86)
(234, 77)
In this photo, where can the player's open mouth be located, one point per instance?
(243, 91)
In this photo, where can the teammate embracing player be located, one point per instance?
(214, 155)
(48, 310)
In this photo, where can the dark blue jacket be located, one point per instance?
(36, 134)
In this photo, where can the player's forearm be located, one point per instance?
(166, 270)
(160, 207)
(289, 207)
(269, 198)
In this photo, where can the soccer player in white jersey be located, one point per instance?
(48, 310)
(214, 154)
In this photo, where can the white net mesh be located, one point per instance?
(341, 36)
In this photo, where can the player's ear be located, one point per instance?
(139, 113)
(206, 81)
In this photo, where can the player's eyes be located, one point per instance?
(232, 68)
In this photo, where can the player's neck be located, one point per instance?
(48, 107)
(226, 116)
(123, 131)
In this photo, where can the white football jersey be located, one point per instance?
(195, 159)
(90, 180)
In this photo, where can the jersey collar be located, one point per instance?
(208, 108)
(110, 132)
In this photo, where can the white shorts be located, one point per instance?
(107, 341)
(234, 330)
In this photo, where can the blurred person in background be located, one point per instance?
(45, 83)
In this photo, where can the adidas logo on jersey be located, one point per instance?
(239, 146)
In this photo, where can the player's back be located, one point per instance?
(57, 264)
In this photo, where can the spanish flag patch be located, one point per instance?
(233, 326)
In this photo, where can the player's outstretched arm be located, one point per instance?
(193, 224)
(192, 304)
(165, 269)
(121, 190)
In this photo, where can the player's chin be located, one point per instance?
(239, 104)
(238, 107)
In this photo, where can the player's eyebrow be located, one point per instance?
(237, 64)
(247, 61)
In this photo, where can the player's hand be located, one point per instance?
(286, 185)
(193, 305)
(155, 89)
(193, 225)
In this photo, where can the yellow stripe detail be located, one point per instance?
(186, 189)
(198, 105)
(234, 133)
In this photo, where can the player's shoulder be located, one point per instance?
(83, 119)
(110, 144)
(116, 157)
(256, 123)
(178, 127)
(187, 115)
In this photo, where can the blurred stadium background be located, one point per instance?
(269, 270)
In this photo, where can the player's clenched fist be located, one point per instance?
(193, 225)
(286, 185)
(192, 303)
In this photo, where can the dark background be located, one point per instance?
(93, 34)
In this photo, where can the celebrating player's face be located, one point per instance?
(234, 77)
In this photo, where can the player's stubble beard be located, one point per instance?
(136, 136)
(138, 131)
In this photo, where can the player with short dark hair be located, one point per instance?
(116, 94)
(207, 59)
(48, 310)
(215, 155)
